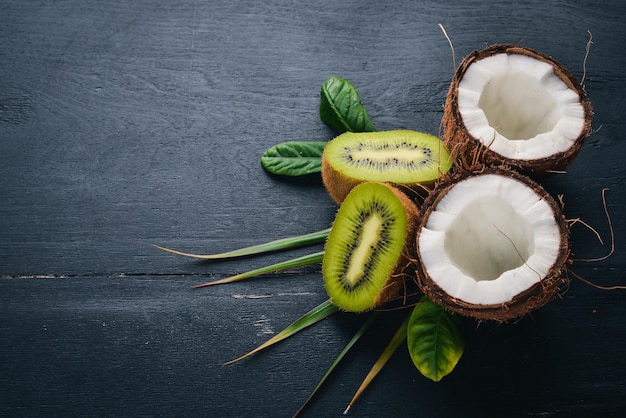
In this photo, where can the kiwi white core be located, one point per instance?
(488, 239)
(371, 233)
(518, 107)
(406, 157)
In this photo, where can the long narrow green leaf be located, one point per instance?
(280, 244)
(391, 348)
(324, 310)
(332, 367)
(314, 258)
(435, 339)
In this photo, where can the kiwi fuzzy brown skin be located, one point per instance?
(523, 303)
(395, 282)
(468, 151)
(337, 185)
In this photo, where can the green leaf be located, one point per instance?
(435, 339)
(324, 310)
(294, 158)
(340, 357)
(341, 107)
(314, 258)
(391, 348)
(280, 244)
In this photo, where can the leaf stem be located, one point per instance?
(280, 244)
(391, 348)
(324, 310)
(314, 258)
(332, 367)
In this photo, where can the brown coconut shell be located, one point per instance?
(468, 151)
(532, 298)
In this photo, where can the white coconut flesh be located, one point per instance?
(518, 107)
(489, 239)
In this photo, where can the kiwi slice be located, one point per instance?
(367, 246)
(401, 157)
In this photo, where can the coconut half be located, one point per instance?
(491, 245)
(510, 105)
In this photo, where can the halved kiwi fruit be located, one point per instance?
(367, 247)
(400, 157)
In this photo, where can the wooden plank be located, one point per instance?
(129, 124)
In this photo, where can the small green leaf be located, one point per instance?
(279, 244)
(435, 339)
(324, 310)
(314, 258)
(391, 348)
(341, 107)
(294, 158)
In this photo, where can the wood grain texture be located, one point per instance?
(129, 124)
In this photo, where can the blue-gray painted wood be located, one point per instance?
(129, 124)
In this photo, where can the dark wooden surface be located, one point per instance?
(125, 124)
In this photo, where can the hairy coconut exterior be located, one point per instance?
(395, 282)
(526, 301)
(469, 151)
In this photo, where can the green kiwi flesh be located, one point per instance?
(401, 157)
(365, 245)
